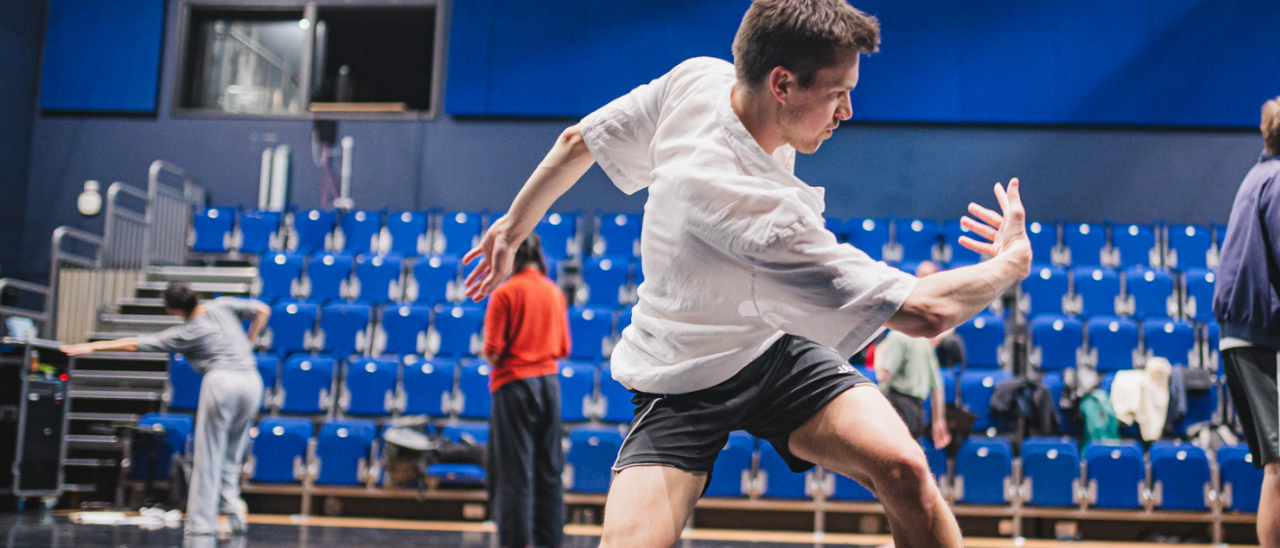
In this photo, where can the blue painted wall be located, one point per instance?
(465, 163)
(20, 30)
(102, 56)
(1131, 62)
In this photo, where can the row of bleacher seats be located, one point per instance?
(228, 229)
(1111, 343)
(427, 280)
(1139, 292)
(368, 387)
(451, 330)
(1112, 245)
(1054, 473)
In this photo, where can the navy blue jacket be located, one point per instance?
(1245, 296)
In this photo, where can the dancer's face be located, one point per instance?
(810, 114)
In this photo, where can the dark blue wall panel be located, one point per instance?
(102, 55)
(1125, 62)
(20, 27)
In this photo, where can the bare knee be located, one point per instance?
(904, 474)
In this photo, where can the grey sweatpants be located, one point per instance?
(229, 403)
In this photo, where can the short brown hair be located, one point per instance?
(1271, 125)
(804, 36)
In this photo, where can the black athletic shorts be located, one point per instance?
(770, 398)
(1251, 376)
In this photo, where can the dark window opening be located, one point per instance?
(375, 55)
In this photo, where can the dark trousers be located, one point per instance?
(526, 495)
(911, 409)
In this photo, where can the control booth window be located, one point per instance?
(321, 59)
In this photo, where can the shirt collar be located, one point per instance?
(757, 161)
(1267, 156)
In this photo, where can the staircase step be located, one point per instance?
(99, 374)
(141, 306)
(203, 274)
(154, 289)
(137, 323)
(104, 417)
(93, 441)
(134, 395)
(92, 463)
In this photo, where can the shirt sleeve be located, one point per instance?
(178, 339)
(495, 326)
(244, 309)
(807, 284)
(1269, 206)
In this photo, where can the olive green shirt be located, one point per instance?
(911, 364)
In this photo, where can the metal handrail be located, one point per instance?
(161, 220)
(58, 257)
(40, 316)
(118, 247)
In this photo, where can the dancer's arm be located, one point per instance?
(568, 160)
(947, 299)
(128, 344)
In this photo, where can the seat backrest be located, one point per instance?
(605, 277)
(559, 234)
(618, 234)
(976, 388)
(184, 384)
(291, 324)
(434, 276)
(360, 231)
(1135, 244)
(427, 385)
(984, 463)
(1182, 470)
(212, 227)
(277, 442)
(959, 255)
(591, 330)
(177, 429)
(592, 453)
(1051, 465)
(1245, 480)
(327, 273)
(473, 386)
(367, 385)
(458, 327)
(1044, 289)
(918, 238)
(340, 446)
(260, 231)
(1173, 340)
(1198, 304)
(1114, 339)
(313, 230)
(406, 233)
(401, 328)
(779, 481)
(307, 382)
(1118, 471)
(1058, 338)
(577, 390)
(1151, 291)
(1044, 238)
(868, 235)
(459, 232)
(346, 328)
(617, 399)
(1188, 246)
(1097, 288)
(983, 336)
(276, 275)
(379, 277)
(1086, 242)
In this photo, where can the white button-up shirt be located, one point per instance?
(734, 248)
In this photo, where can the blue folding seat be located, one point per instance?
(1051, 466)
(937, 459)
(292, 326)
(279, 446)
(212, 229)
(1044, 290)
(183, 392)
(359, 232)
(1151, 292)
(369, 387)
(433, 279)
(402, 330)
(589, 460)
(345, 329)
(1189, 247)
(343, 449)
(1198, 303)
(269, 370)
(1044, 240)
(637, 273)
(605, 281)
(405, 233)
(378, 278)
(1134, 245)
(1202, 405)
(1219, 233)
(837, 228)
(328, 277)
(1086, 242)
(591, 330)
(259, 232)
(624, 320)
(427, 387)
(615, 400)
(777, 481)
(461, 474)
(1116, 474)
(1173, 340)
(1240, 477)
(177, 431)
(459, 232)
(976, 388)
(954, 253)
(618, 235)
(731, 476)
(1055, 341)
(1067, 422)
(869, 235)
(915, 239)
(1112, 342)
(313, 231)
(983, 465)
(457, 330)
(577, 390)
(307, 383)
(473, 388)
(1179, 475)
(559, 234)
(983, 336)
(1097, 289)
(279, 276)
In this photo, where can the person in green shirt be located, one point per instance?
(907, 372)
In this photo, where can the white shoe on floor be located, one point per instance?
(238, 520)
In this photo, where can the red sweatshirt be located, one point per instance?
(527, 327)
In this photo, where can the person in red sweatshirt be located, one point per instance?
(525, 331)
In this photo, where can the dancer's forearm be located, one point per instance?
(947, 299)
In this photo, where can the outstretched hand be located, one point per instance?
(1005, 233)
(497, 252)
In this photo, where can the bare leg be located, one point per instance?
(859, 435)
(1269, 507)
(649, 505)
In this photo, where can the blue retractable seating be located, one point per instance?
(1241, 477)
(292, 326)
(379, 278)
(976, 388)
(982, 467)
(184, 384)
(346, 328)
(1086, 242)
(1198, 302)
(615, 399)
(458, 330)
(361, 231)
(212, 229)
(590, 458)
(260, 232)
(559, 234)
(732, 466)
(1044, 239)
(1055, 341)
(159, 460)
(605, 279)
(279, 445)
(869, 235)
(1173, 340)
(459, 232)
(776, 479)
(461, 474)
(313, 231)
(1052, 468)
(1044, 290)
(328, 277)
(916, 239)
(307, 384)
(1135, 245)
(1097, 289)
(473, 388)
(405, 233)
(983, 336)
(279, 276)
(591, 330)
(369, 387)
(618, 235)
(427, 386)
(403, 329)
(1188, 247)
(1112, 341)
(1117, 473)
(343, 450)
(1180, 474)
(1152, 293)
(433, 279)
(577, 390)
(953, 252)
(269, 370)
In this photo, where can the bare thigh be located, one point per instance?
(649, 505)
(858, 435)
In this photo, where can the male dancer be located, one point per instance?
(749, 303)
